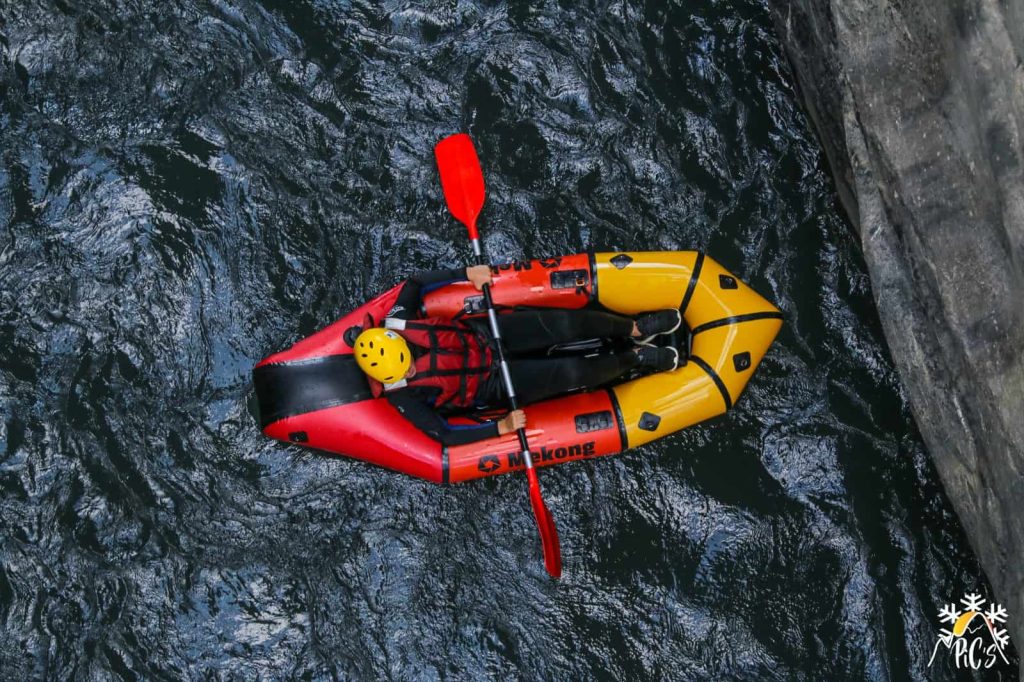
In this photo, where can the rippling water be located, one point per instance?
(186, 187)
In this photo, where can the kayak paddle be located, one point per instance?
(463, 184)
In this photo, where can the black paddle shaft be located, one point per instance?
(503, 367)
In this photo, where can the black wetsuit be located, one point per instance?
(534, 379)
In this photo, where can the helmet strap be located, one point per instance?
(398, 384)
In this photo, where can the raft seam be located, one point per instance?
(444, 465)
(715, 378)
(592, 262)
(736, 319)
(694, 276)
(623, 436)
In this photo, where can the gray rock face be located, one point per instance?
(920, 107)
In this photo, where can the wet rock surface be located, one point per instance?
(920, 107)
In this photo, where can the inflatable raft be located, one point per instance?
(313, 393)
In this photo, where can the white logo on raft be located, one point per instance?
(975, 639)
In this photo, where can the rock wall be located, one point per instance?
(920, 108)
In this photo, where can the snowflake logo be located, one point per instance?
(973, 601)
(996, 613)
(961, 639)
(949, 614)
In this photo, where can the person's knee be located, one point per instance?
(575, 375)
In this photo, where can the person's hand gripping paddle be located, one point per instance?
(463, 184)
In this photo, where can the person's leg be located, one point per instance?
(543, 378)
(530, 330)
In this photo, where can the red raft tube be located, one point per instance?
(313, 394)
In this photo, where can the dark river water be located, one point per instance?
(186, 187)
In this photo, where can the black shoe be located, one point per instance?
(658, 359)
(658, 322)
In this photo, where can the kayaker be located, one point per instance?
(432, 367)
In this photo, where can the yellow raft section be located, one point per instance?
(732, 328)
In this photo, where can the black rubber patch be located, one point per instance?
(594, 421)
(472, 305)
(741, 361)
(351, 334)
(621, 261)
(649, 421)
(570, 279)
(727, 282)
(298, 437)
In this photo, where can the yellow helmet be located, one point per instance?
(382, 354)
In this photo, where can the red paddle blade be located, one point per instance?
(461, 179)
(546, 525)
